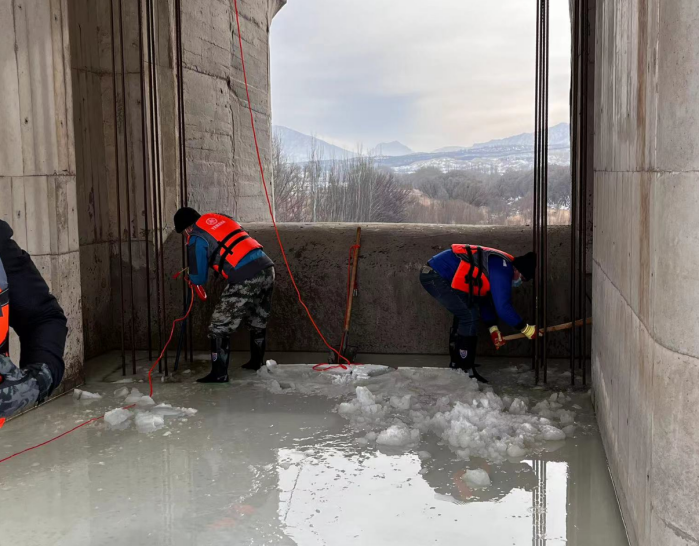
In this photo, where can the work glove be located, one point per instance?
(22, 388)
(496, 336)
(530, 331)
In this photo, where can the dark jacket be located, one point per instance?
(35, 314)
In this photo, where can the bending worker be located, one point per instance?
(466, 279)
(27, 306)
(217, 241)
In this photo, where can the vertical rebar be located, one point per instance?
(575, 24)
(535, 200)
(158, 187)
(544, 191)
(155, 167)
(144, 138)
(118, 187)
(128, 188)
(583, 188)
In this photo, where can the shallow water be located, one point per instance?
(253, 467)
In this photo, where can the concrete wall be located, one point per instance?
(222, 168)
(392, 313)
(646, 323)
(37, 162)
(221, 159)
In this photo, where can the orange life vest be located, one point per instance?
(472, 274)
(228, 242)
(4, 311)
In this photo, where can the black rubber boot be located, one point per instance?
(219, 361)
(467, 357)
(258, 343)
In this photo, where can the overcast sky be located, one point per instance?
(429, 73)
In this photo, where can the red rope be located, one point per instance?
(150, 383)
(269, 201)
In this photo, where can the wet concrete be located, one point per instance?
(253, 467)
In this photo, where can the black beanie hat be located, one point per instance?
(184, 218)
(526, 265)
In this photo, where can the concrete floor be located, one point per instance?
(252, 467)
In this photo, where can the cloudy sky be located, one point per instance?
(429, 73)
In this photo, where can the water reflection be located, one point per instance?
(338, 497)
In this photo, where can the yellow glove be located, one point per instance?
(529, 331)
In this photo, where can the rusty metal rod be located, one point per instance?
(144, 138)
(118, 187)
(154, 164)
(128, 188)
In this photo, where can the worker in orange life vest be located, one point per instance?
(469, 281)
(217, 242)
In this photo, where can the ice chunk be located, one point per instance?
(123, 392)
(569, 430)
(551, 433)
(271, 363)
(125, 380)
(84, 395)
(149, 422)
(518, 407)
(566, 417)
(116, 417)
(476, 478)
(365, 397)
(371, 436)
(398, 436)
(145, 401)
(134, 397)
(401, 402)
(424, 455)
(515, 451)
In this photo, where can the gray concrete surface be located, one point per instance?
(392, 313)
(646, 347)
(37, 158)
(240, 472)
(220, 156)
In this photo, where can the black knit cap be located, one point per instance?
(526, 265)
(184, 218)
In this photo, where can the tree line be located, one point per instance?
(358, 190)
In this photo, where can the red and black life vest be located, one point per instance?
(228, 242)
(4, 311)
(472, 275)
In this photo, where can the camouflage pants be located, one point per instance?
(21, 389)
(247, 302)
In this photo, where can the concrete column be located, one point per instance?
(646, 301)
(222, 168)
(37, 160)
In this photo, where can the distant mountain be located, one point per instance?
(558, 134)
(448, 149)
(391, 149)
(515, 153)
(297, 146)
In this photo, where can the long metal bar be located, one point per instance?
(535, 200)
(118, 187)
(154, 164)
(159, 190)
(544, 191)
(574, 178)
(128, 188)
(144, 138)
(583, 187)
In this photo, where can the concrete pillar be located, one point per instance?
(646, 301)
(37, 161)
(222, 168)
